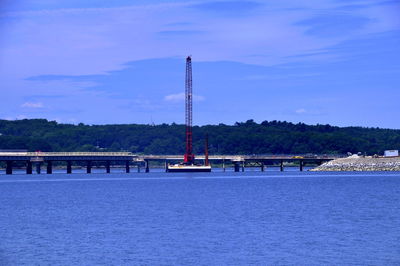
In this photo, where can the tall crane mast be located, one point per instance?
(188, 164)
(189, 156)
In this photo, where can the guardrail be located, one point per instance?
(243, 157)
(177, 157)
(66, 154)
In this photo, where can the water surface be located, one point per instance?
(200, 219)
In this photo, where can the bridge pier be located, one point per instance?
(127, 169)
(28, 167)
(49, 167)
(223, 164)
(108, 170)
(236, 166)
(146, 164)
(243, 166)
(9, 165)
(38, 167)
(262, 167)
(89, 167)
(138, 167)
(301, 165)
(69, 167)
(281, 165)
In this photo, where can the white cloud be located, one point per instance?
(301, 111)
(181, 97)
(32, 105)
(175, 97)
(12, 118)
(19, 117)
(198, 98)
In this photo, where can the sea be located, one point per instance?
(218, 218)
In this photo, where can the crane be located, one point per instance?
(189, 156)
(188, 164)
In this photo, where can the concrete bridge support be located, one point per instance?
(301, 165)
(243, 166)
(236, 166)
(49, 167)
(38, 168)
(108, 170)
(262, 167)
(281, 165)
(28, 167)
(223, 164)
(127, 169)
(9, 165)
(146, 164)
(69, 167)
(89, 167)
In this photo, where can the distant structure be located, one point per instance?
(391, 153)
(188, 164)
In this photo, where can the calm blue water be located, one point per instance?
(200, 219)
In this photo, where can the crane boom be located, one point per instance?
(189, 156)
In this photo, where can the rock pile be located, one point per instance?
(361, 164)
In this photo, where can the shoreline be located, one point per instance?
(353, 163)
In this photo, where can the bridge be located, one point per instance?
(30, 159)
(39, 158)
(242, 161)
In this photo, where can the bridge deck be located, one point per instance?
(38, 158)
(117, 156)
(66, 156)
(241, 157)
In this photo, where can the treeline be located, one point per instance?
(268, 137)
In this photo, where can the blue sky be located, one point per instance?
(103, 62)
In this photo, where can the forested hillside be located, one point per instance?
(272, 137)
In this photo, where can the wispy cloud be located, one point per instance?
(175, 33)
(333, 25)
(178, 97)
(175, 97)
(237, 7)
(32, 105)
(96, 40)
(300, 111)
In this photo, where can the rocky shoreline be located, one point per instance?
(361, 164)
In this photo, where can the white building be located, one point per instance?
(391, 153)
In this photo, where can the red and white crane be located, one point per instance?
(189, 156)
(188, 164)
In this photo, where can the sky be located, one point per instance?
(110, 62)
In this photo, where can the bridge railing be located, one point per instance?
(249, 156)
(66, 154)
(177, 157)
(83, 153)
